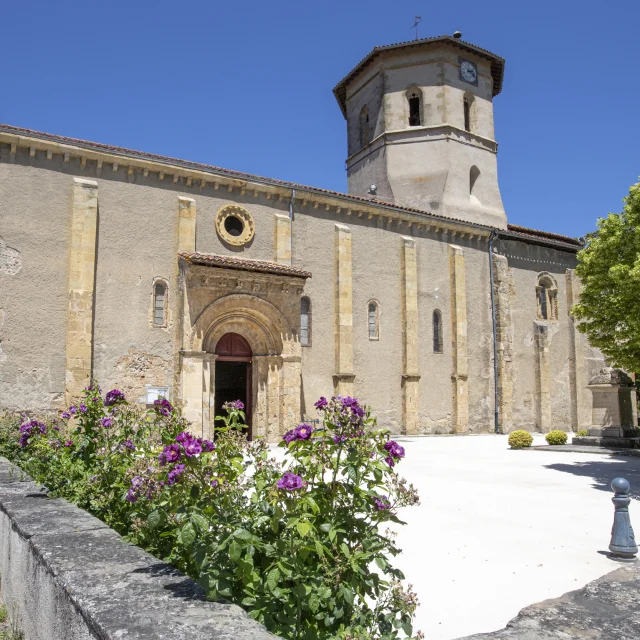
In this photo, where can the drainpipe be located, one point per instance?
(293, 199)
(496, 427)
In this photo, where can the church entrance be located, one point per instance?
(233, 375)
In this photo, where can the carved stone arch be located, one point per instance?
(415, 114)
(255, 319)
(546, 297)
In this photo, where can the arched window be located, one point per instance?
(373, 317)
(437, 331)
(365, 129)
(305, 321)
(160, 304)
(547, 297)
(415, 107)
(467, 105)
(474, 174)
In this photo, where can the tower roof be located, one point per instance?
(497, 63)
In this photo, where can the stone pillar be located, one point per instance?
(273, 426)
(410, 371)
(504, 339)
(542, 377)
(82, 262)
(208, 394)
(282, 240)
(186, 224)
(290, 393)
(459, 376)
(580, 401)
(260, 375)
(344, 376)
(193, 386)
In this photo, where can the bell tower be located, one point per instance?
(420, 128)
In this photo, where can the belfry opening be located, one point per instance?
(233, 375)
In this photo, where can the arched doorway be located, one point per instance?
(233, 374)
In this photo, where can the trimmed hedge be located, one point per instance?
(556, 437)
(520, 439)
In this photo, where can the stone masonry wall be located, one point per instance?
(67, 575)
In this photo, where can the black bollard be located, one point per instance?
(623, 544)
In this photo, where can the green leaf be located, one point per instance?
(382, 563)
(347, 594)
(273, 577)
(345, 550)
(407, 627)
(156, 519)
(188, 534)
(235, 551)
(200, 521)
(303, 528)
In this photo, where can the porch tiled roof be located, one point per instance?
(243, 264)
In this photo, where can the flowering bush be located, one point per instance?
(520, 439)
(298, 542)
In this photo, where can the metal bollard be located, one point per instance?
(623, 545)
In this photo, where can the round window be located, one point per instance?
(234, 226)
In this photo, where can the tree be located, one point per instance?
(609, 268)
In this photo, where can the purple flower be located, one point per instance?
(114, 396)
(73, 410)
(183, 437)
(290, 482)
(358, 411)
(83, 408)
(382, 503)
(321, 403)
(68, 443)
(303, 431)
(192, 448)
(171, 453)
(289, 437)
(137, 482)
(339, 439)
(65, 415)
(390, 461)
(175, 473)
(163, 406)
(348, 401)
(237, 405)
(214, 483)
(93, 387)
(106, 422)
(207, 446)
(394, 449)
(131, 496)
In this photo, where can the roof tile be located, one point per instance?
(243, 264)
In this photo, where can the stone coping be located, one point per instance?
(605, 609)
(65, 574)
(581, 448)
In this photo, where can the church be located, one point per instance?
(412, 292)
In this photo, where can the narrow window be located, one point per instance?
(159, 304)
(474, 174)
(365, 130)
(305, 321)
(437, 331)
(467, 115)
(373, 314)
(547, 298)
(414, 109)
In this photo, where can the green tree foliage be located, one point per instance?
(609, 268)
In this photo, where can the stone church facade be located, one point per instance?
(167, 277)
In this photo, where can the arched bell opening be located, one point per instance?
(233, 376)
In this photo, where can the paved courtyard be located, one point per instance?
(498, 529)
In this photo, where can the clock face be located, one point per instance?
(468, 72)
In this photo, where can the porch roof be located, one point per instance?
(243, 264)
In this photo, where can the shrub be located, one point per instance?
(556, 437)
(582, 433)
(298, 544)
(519, 439)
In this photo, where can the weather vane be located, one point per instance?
(416, 23)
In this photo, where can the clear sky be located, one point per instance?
(248, 86)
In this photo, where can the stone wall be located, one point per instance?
(67, 575)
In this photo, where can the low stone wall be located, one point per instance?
(65, 575)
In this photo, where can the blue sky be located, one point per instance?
(248, 86)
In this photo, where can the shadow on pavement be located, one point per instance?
(604, 471)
